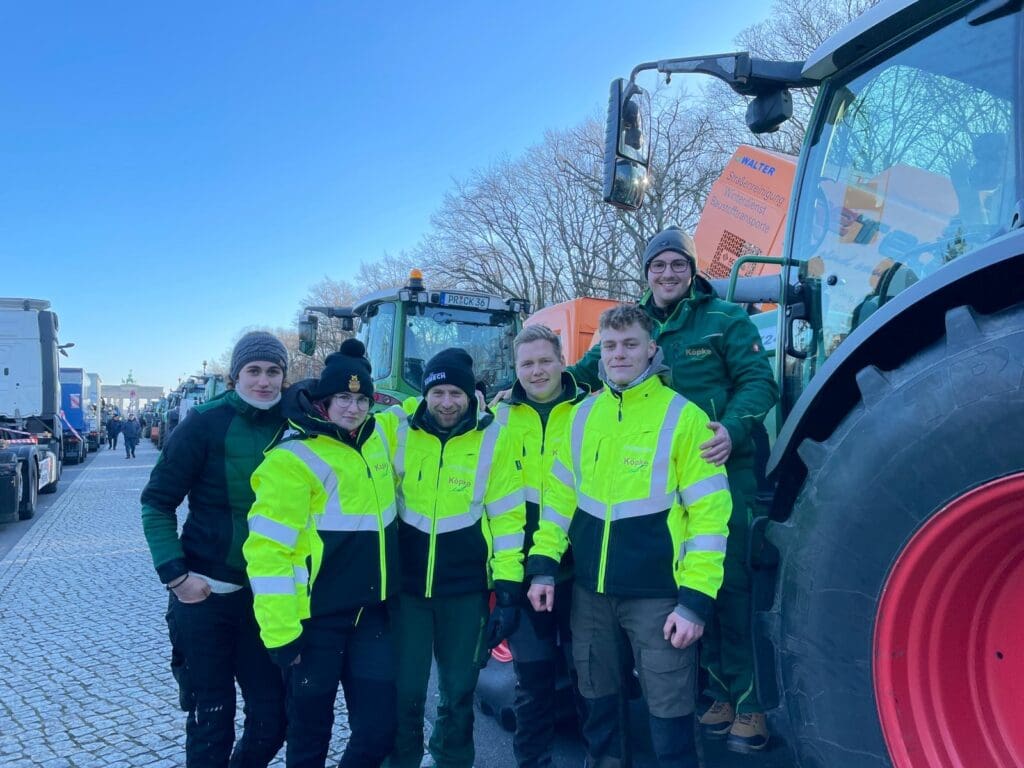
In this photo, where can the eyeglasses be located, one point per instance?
(345, 400)
(680, 265)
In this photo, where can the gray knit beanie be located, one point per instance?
(258, 345)
(671, 239)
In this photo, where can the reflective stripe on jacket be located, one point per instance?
(461, 506)
(540, 443)
(646, 515)
(322, 532)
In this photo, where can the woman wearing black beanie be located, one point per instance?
(322, 560)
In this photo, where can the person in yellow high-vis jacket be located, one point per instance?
(536, 413)
(322, 557)
(647, 517)
(461, 520)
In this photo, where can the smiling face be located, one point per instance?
(447, 404)
(626, 353)
(669, 275)
(260, 380)
(539, 369)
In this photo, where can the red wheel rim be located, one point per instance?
(949, 638)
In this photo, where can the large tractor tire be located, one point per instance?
(898, 616)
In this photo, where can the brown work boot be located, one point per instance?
(716, 722)
(749, 733)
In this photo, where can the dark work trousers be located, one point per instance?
(449, 629)
(667, 676)
(537, 645)
(113, 440)
(727, 648)
(213, 644)
(360, 656)
(129, 446)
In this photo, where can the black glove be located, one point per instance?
(504, 619)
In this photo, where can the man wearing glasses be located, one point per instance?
(716, 360)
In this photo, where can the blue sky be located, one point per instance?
(172, 173)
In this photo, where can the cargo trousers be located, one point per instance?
(215, 643)
(450, 631)
(667, 676)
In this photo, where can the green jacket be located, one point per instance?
(716, 360)
(209, 458)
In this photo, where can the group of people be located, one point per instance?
(130, 428)
(326, 545)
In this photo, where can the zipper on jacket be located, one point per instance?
(432, 546)
(714, 412)
(380, 535)
(606, 535)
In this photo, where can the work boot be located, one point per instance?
(749, 733)
(717, 721)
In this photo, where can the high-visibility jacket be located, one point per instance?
(540, 442)
(646, 515)
(461, 505)
(323, 536)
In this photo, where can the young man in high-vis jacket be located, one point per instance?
(647, 517)
(461, 517)
(536, 413)
(717, 361)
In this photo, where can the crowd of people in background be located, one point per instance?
(327, 545)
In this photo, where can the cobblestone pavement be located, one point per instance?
(84, 673)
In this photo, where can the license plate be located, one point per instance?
(463, 300)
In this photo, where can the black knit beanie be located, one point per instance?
(258, 345)
(450, 366)
(346, 370)
(672, 239)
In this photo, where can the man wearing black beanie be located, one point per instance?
(462, 515)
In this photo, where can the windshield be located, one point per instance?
(913, 164)
(486, 336)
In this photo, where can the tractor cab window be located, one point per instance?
(912, 164)
(487, 336)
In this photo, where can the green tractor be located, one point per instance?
(402, 328)
(890, 566)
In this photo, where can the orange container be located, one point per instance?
(575, 322)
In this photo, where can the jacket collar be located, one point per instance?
(655, 369)
(700, 292)
(475, 418)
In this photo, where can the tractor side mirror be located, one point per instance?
(627, 148)
(307, 334)
(767, 111)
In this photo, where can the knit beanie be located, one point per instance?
(672, 239)
(258, 345)
(450, 366)
(346, 370)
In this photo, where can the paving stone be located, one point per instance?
(85, 678)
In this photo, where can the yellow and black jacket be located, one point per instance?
(323, 535)
(540, 442)
(646, 515)
(460, 503)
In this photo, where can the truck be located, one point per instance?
(95, 433)
(403, 327)
(30, 426)
(72, 413)
(889, 563)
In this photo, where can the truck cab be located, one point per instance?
(402, 328)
